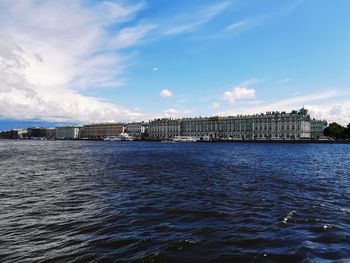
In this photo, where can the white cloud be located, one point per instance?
(331, 105)
(171, 113)
(215, 105)
(131, 36)
(299, 101)
(155, 69)
(180, 29)
(332, 113)
(177, 113)
(280, 10)
(236, 25)
(285, 80)
(196, 19)
(51, 50)
(239, 93)
(165, 93)
(20, 99)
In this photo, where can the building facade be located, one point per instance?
(317, 128)
(137, 129)
(269, 126)
(68, 132)
(14, 134)
(102, 130)
(37, 132)
(164, 128)
(50, 133)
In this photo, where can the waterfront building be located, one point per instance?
(269, 126)
(137, 130)
(19, 133)
(14, 134)
(40, 132)
(164, 128)
(5, 135)
(102, 130)
(36, 132)
(317, 128)
(68, 132)
(50, 133)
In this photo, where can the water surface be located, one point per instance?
(81, 201)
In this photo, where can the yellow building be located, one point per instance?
(102, 130)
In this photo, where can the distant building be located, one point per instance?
(36, 132)
(40, 132)
(14, 134)
(19, 133)
(269, 126)
(317, 128)
(137, 129)
(68, 132)
(164, 128)
(102, 130)
(50, 133)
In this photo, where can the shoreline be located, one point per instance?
(213, 141)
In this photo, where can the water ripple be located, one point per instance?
(81, 201)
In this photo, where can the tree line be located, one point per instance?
(337, 131)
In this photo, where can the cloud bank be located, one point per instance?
(52, 50)
(332, 105)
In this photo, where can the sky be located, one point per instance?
(84, 61)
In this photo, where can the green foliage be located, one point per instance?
(337, 131)
(303, 111)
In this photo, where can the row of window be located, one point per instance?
(227, 129)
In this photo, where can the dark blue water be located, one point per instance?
(75, 201)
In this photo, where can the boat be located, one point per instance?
(184, 139)
(167, 141)
(125, 137)
(112, 138)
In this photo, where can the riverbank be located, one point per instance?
(212, 141)
(285, 141)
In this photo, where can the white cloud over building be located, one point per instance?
(239, 93)
(215, 105)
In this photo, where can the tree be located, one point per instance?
(336, 131)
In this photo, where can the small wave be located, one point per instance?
(196, 213)
(94, 202)
(288, 217)
(181, 244)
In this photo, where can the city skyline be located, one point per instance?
(272, 126)
(77, 61)
(19, 125)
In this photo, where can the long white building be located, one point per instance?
(270, 126)
(164, 128)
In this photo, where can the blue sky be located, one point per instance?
(91, 61)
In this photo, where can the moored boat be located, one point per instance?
(184, 139)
